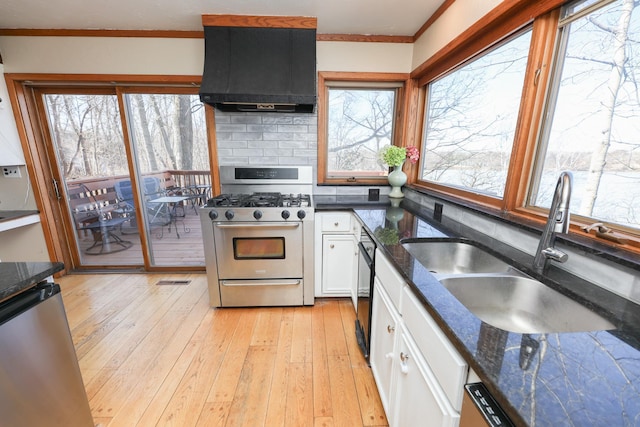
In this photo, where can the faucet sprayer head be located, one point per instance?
(562, 197)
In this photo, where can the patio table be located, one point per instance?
(170, 203)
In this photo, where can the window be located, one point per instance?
(560, 95)
(470, 120)
(593, 128)
(357, 119)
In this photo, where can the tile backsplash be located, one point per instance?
(273, 139)
(267, 138)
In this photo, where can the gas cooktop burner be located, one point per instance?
(260, 200)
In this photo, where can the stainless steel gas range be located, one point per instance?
(258, 237)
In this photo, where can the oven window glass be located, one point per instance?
(258, 248)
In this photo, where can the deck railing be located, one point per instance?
(179, 178)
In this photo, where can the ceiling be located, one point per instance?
(372, 17)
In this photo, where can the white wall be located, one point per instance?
(15, 193)
(102, 55)
(123, 55)
(10, 149)
(457, 18)
(364, 57)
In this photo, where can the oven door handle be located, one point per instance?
(259, 282)
(257, 225)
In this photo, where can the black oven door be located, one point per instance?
(269, 250)
(365, 282)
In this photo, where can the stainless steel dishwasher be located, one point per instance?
(479, 409)
(40, 380)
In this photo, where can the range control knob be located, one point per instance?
(301, 214)
(285, 214)
(229, 214)
(213, 214)
(257, 214)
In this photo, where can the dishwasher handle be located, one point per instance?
(366, 255)
(487, 406)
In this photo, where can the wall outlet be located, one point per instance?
(437, 212)
(11, 171)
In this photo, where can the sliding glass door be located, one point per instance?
(91, 159)
(133, 170)
(169, 139)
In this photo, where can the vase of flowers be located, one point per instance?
(394, 157)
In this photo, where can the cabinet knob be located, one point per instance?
(336, 224)
(404, 356)
(332, 246)
(391, 329)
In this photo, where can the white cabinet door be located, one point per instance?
(384, 323)
(445, 362)
(339, 264)
(417, 398)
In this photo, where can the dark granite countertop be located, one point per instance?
(10, 215)
(16, 277)
(573, 379)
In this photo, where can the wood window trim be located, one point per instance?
(520, 147)
(323, 88)
(260, 21)
(508, 18)
(533, 102)
(505, 19)
(24, 111)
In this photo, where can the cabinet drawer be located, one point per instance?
(338, 222)
(444, 360)
(418, 396)
(390, 279)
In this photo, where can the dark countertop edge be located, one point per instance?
(550, 279)
(7, 215)
(45, 270)
(10, 215)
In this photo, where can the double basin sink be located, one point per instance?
(499, 294)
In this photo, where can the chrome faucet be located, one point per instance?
(558, 222)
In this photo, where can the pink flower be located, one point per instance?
(413, 154)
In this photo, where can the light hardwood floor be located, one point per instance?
(158, 355)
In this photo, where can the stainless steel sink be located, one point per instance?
(455, 258)
(523, 305)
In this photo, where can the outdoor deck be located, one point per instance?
(167, 249)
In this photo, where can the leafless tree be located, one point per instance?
(146, 133)
(466, 143)
(360, 128)
(621, 70)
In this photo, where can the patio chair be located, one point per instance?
(156, 215)
(94, 210)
